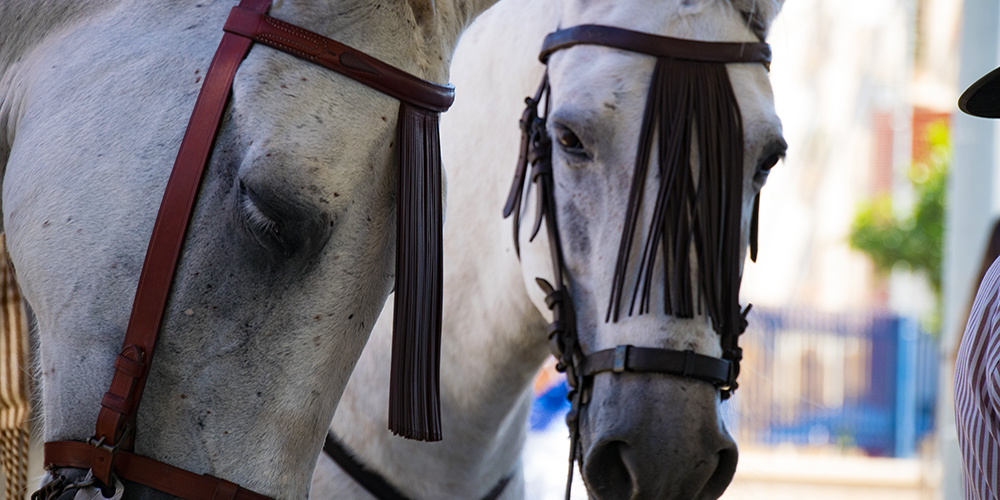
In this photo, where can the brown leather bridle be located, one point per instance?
(418, 274)
(536, 151)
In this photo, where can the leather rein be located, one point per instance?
(536, 152)
(376, 484)
(109, 452)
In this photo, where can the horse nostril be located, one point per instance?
(723, 475)
(606, 475)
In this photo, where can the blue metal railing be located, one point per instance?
(865, 380)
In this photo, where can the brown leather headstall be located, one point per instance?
(699, 67)
(418, 271)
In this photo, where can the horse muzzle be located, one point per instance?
(655, 438)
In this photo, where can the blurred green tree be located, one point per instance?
(915, 239)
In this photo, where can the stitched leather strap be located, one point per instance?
(345, 60)
(166, 241)
(146, 471)
(655, 45)
(626, 358)
(115, 422)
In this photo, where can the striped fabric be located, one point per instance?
(15, 401)
(977, 392)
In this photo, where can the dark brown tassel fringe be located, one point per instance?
(414, 384)
(705, 213)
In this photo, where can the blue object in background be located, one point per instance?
(886, 410)
(881, 370)
(549, 405)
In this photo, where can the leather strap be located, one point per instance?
(655, 45)
(115, 423)
(338, 57)
(122, 400)
(627, 358)
(146, 471)
(373, 482)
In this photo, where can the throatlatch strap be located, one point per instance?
(373, 482)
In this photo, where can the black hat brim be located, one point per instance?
(983, 97)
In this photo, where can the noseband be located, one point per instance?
(690, 90)
(414, 401)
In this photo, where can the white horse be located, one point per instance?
(644, 436)
(289, 254)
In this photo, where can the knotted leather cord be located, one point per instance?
(376, 484)
(690, 90)
(108, 452)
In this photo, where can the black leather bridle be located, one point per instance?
(536, 152)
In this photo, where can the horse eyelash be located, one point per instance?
(256, 221)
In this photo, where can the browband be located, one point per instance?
(655, 45)
(338, 57)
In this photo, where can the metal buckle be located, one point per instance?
(621, 357)
(113, 449)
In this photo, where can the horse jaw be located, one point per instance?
(600, 93)
(262, 331)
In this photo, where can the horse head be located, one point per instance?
(656, 163)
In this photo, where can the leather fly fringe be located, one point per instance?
(697, 207)
(414, 384)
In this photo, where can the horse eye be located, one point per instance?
(568, 140)
(768, 163)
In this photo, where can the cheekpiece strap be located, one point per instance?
(656, 45)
